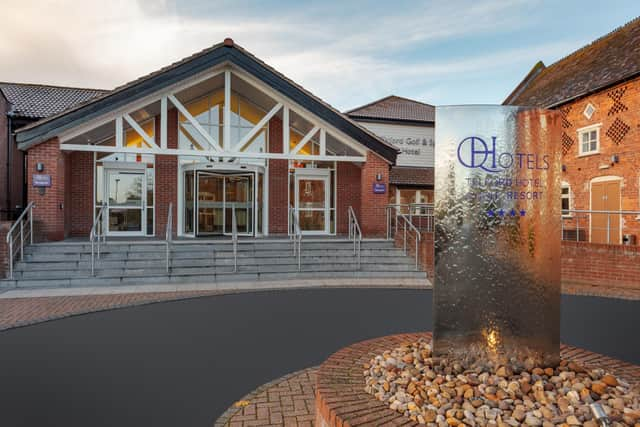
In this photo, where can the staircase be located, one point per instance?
(132, 263)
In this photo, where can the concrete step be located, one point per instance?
(219, 277)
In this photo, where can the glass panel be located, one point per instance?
(311, 194)
(133, 138)
(210, 202)
(150, 188)
(125, 189)
(239, 193)
(312, 220)
(150, 222)
(260, 199)
(99, 184)
(188, 202)
(125, 220)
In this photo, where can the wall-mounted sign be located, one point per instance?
(379, 188)
(40, 180)
(416, 143)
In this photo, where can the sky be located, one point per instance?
(348, 53)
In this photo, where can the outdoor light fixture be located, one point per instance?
(564, 168)
(40, 167)
(378, 177)
(615, 158)
(599, 414)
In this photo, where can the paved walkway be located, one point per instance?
(21, 307)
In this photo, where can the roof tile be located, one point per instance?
(395, 108)
(606, 61)
(37, 101)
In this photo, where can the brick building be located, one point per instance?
(217, 134)
(597, 90)
(22, 104)
(408, 125)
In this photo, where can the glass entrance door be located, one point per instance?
(312, 203)
(125, 202)
(238, 191)
(217, 196)
(210, 203)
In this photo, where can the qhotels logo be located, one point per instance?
(474, 152)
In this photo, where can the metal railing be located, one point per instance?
(296, 236)
(419, 214)
(408, 227)
(355, 234)
(598, 226)
(18, 228)
(168, 235)
(234, 237)
(97, 235)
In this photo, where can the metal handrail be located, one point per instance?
(407, 222)
(568, 215)
(10, 240)
(97, 235)
(355, 233)
(234, 237)
(413, 210)
(168, 234)
(296, 235)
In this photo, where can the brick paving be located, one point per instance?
(288, 401)
(16, 312)
(341, 386)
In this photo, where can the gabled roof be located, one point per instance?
(395, 108)
(608, 60)
(36, 101)
(217, 54)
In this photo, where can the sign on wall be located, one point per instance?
(416, 143)
(41, 180)
(379, 188)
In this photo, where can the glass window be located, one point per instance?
(589, 141)
(565, 199)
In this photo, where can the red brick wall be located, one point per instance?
(4, 250)
(79, 203)
(425, 249)
(581, 170)
(278, 182)
(48, 214)
(348, 188)
(4, 185)
(372, 206)
(601, 265)
(166, 175)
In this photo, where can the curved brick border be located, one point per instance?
(342, 401)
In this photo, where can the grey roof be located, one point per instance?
(613, 58)
(394, 108)
(35, 101)
(220, 53)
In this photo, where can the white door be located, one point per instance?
(313, 203)
(126, 193)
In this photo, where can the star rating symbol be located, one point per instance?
(522, 212)
(501, 212)
(490, 212)
(512, 212)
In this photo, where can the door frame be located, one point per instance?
(196, 210)
(121, 167)
(598, 180)
(319, 175)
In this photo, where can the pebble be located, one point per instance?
(440, 392)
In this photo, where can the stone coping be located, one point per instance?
(342, 401)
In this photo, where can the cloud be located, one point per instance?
(346, 54)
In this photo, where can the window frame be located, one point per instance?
(588, 130)
(568, 196)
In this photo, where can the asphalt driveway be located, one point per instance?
(183, 363)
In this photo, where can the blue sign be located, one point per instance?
(379, 188)
(41, 180)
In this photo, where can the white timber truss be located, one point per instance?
(213, 148)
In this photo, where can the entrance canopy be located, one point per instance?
(225, 98)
